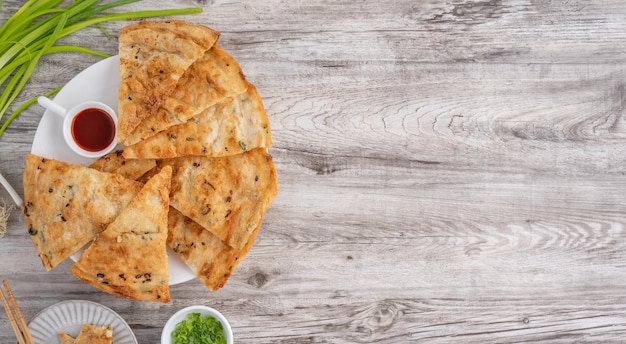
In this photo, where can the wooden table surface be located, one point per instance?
(449, 171)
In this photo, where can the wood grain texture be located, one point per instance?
(449, 171)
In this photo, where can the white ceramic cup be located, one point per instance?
(69, 129)
(166, 335)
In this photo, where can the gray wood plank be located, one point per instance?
(449, 171)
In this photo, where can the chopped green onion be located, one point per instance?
(199, 329)
(31, 32)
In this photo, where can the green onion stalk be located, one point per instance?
(31, 32)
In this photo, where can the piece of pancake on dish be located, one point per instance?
(115, 162)
(204, 253)
(153, 57)
(129, 258)
(66, 338)
(232, 126)
(214, 76)
(228, 195)
(66, 205)
(89, 334)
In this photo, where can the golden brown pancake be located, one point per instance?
(227, 196)
(212, 78)
(153, 57)
(129, 258)
(229, 127)
(66, 205)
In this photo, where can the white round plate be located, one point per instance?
(99, 82)
(70, 316)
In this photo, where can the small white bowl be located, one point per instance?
(69, 117)
(170, 325)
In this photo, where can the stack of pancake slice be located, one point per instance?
(194, 173)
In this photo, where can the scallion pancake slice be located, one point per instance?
(129, 258)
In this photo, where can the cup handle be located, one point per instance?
(52, 106)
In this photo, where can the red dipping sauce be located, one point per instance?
(93, 129)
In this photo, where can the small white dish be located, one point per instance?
(70, 316)
(89, 128)
(166, 335)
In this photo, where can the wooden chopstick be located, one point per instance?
(14, 325)
(19, 327)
